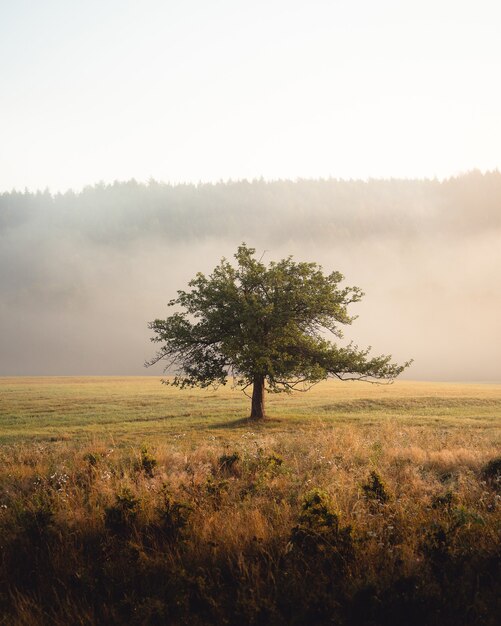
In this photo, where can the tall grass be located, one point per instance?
(379, 521)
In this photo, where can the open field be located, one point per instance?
(123, 501)
(127, 408)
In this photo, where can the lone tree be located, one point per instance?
(264, 326)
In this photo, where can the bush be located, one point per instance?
(120, 517)
(318, 529)
(375, 489)
(37, 522)
(227, 463)
(173, 515)
(148, 462)
(491, 472)
(91, 458)
(444, 501)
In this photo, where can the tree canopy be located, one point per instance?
(265, 326)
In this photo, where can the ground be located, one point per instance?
(125, 501)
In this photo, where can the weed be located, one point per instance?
(444, 501)
(37, 522)
(148, 462)
(120, 517)
(318, 530)
(273, 463)
(173, 515)
(375, 489)
(92, 458)
(491, 472)
(227, 463)
(216, 488)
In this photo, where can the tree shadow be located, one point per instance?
(245, 422)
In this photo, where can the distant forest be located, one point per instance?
(310, 210)
(82, 273)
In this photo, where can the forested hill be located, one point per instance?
(321, 210)
(81, 274)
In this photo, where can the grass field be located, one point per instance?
(128, 408)
(123, 501)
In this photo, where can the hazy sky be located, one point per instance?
(196, 90)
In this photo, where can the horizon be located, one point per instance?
(256, 179)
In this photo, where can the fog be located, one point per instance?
(82, 274)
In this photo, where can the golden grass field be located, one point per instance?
(132, 407)
(126, 501)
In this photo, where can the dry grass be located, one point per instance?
(429, 554)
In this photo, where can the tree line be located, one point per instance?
(317, 210)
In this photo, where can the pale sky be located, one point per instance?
(205, 90)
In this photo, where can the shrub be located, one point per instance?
(173, 515)
(91, 458)
(273, 463)
(120, 516)
(37, 522)
(375, 489)
(318, 529)
(268, 464)
(227, 462)
(216, 488)
(147, 462)
(491, 472)
(444, 501)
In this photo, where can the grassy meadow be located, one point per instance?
(123, 501)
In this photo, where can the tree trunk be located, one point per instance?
(257, 407)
